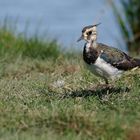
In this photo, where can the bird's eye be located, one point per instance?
(89, 33)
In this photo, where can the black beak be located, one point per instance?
(80, 39)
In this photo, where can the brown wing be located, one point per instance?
(128, 63)
(118, 58)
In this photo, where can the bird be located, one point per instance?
(102, 60)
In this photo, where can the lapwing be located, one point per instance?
(102, 60)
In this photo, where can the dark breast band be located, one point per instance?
(91, 56)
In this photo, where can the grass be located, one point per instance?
(45, 94)
(26, 47)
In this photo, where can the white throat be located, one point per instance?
(94, 44)
(91, 44)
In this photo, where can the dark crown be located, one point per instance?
(90, 26)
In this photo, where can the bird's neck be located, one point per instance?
(93, 43)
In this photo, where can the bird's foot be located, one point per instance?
(102, 86)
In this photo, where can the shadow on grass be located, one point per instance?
(96, 92)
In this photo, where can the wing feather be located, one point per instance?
(118, 58)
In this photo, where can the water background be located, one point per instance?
(63, 19)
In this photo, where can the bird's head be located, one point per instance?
(89, 33)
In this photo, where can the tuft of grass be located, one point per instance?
(12, 45)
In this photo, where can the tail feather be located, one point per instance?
(137, 62)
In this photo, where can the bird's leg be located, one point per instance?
(103, 86)
(106, 81)
(107, 85)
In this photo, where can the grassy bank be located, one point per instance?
(47, 94)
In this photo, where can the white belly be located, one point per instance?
(104, 69)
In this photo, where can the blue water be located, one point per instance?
(63, 19)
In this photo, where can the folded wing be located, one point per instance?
(119, 59)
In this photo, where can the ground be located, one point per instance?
(58, 98)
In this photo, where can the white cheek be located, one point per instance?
(93, 37)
